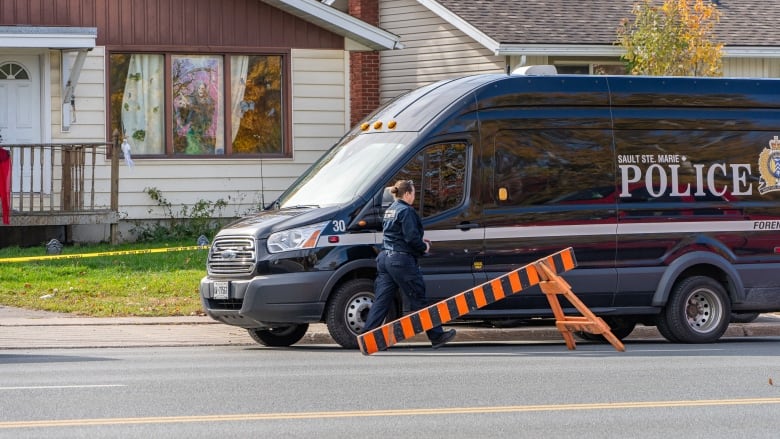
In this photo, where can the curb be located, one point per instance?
(22, 329)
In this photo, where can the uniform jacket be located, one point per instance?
(403, 230)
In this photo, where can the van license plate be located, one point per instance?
(221, 290)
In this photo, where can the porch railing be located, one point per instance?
(64, 184)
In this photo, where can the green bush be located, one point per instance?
(202, 218)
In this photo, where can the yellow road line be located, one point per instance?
(114, 253)
(391, 413)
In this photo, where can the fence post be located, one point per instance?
(115, 185)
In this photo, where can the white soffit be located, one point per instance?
(751, 52)
(47, 37)
(339, 23)
(560, 49)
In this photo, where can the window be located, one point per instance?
(546, 167)
(199, 105)
(256, 104)
(137, 100)
(13, 70)
(439, 175)
(590, 69)
(347, 170)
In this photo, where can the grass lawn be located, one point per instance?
(148, 284)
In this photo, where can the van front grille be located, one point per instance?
(228, 305)
(232, 256)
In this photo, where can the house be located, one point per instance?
(234, 99)
(228, 99)
(446, 38)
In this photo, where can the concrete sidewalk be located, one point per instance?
(24, 329)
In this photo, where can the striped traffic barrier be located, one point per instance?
(542, 270)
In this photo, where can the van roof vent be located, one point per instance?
(535, 70)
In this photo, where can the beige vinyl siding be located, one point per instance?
(751, 67)
(90, 92)
(434, 50)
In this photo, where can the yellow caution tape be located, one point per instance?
(115, 253)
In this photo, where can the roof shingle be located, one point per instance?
(556, 22)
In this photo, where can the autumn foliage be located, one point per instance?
(672, 39)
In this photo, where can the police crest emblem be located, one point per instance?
(769, 167)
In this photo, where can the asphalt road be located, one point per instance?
(466, 390)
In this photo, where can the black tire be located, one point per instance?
(620, 327)
(698, 311)
(744, 317)
(281, 336)
(348, 309)
(665, 331)
(507, 323)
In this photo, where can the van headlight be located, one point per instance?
(295, 239)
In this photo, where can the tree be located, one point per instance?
(672, 39)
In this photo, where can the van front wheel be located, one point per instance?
(347, 311)
(698, 311)
(348, 308)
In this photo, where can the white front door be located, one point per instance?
(20, 118)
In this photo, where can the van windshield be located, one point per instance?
(347, 170)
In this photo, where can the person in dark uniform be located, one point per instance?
(397, 263)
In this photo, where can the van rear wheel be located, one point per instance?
(280, 336)
(698, 311)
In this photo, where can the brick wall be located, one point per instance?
(363, 66)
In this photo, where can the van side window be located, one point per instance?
(439, 174)
(542, 167)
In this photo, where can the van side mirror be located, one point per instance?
(370, 217)
(387, 198)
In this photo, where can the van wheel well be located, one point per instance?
(710, 271)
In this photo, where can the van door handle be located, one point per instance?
(467, 226)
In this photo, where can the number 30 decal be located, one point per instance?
(339, 226)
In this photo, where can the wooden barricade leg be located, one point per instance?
(552, 286)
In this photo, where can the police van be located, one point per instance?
(668, 190)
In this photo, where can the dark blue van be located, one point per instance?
(668, 189)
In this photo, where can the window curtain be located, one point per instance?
(239, 68)
(142, 104)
